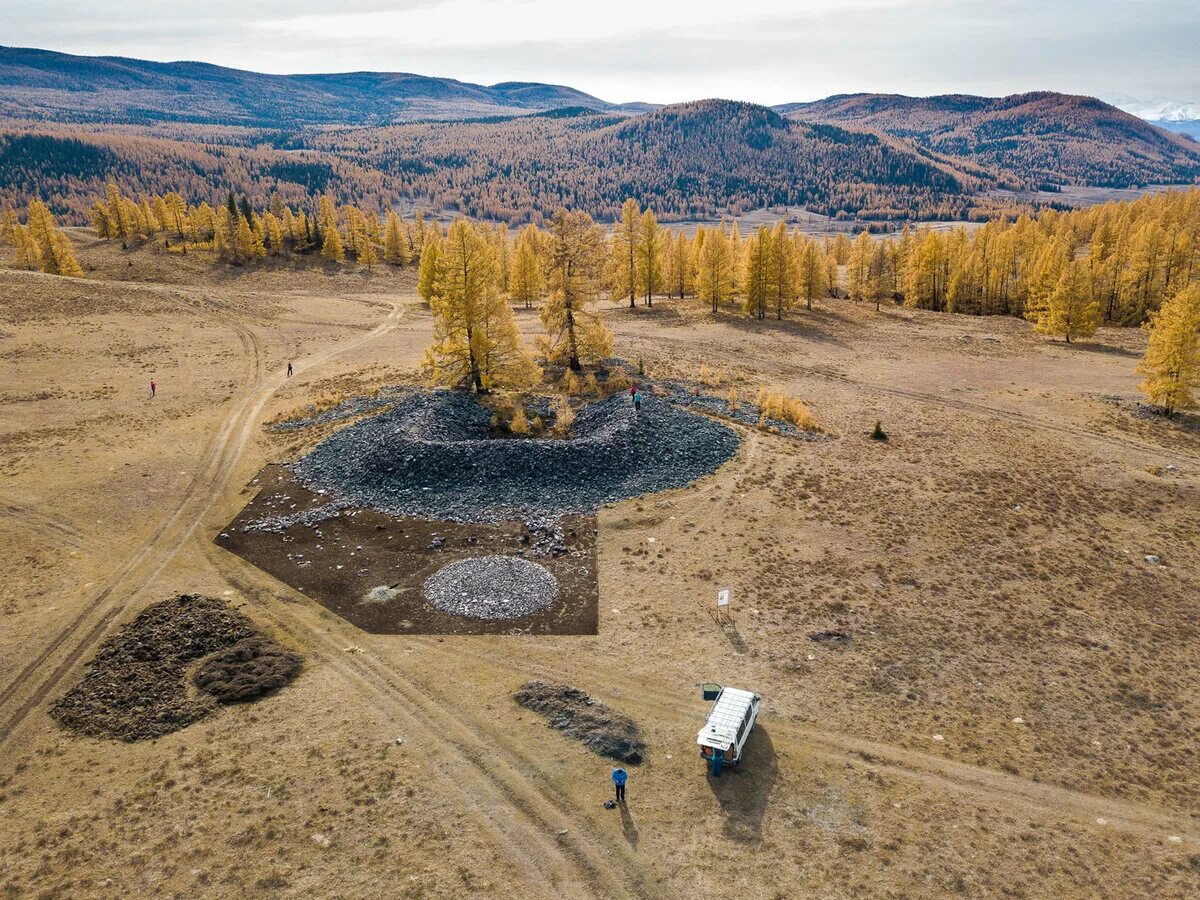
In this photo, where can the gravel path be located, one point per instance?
(430, 456)
(491, 587)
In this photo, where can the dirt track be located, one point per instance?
(845, 792)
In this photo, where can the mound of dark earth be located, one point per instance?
(579, 715)
(136, 687)
(430, 456)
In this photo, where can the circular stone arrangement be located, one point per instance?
(431, 457)
(491, 587)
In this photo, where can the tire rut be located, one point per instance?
(174, 531)
(939, 771)
(499, 772)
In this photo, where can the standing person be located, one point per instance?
(619, 777)
(289, 368)
(153, 387)
(637, 402)
(633, 391)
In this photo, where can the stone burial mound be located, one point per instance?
(430, 456)
(579, 715)
(137, 686)
(491, 587)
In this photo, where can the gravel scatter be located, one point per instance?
(135, 688)
(491, 587)
(310, 517)
(579, 715)
(430, 456)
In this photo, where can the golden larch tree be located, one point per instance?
(714, 272)
(525, 279)
(625, 251)
(475, 337)
(649, 266)
(332, 248)
(1070, 310)
(575, 258)
(1172, 361)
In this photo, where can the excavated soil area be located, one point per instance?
(138, 685)
(581, 716)
(371, 568)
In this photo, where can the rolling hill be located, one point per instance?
(1038, 138)
(704, 159)
(47, 86)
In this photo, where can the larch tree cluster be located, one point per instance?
(39, 243)
(240, 234)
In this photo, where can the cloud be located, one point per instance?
(769, 51)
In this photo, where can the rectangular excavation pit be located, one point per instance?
(339, 559)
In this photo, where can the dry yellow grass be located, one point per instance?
(987, 563)
(775, 404)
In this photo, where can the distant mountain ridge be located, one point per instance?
(1041, 136)
(515, 150)
(45, 85)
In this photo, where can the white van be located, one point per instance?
(728, 726)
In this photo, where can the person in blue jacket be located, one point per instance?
(619, 777)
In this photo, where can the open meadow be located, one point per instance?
(975, 642)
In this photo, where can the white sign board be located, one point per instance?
(722, 597)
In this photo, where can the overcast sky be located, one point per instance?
(768, 51)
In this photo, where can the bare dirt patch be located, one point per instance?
(370, 568)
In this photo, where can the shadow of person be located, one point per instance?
(745, 790)
(628, 826)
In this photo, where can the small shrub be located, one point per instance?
(641, 368)
(733, 399)
(538, 424)
(571, 383)
(778, 405)
(710, 377)
(879, 434)
(564, 416)
(590, 385)
(519, 424)
(617, 383)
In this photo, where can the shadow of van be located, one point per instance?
(745, 789)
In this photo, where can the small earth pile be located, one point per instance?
(430, 456)
(579, 715)
(491, 587)
(136, 686)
